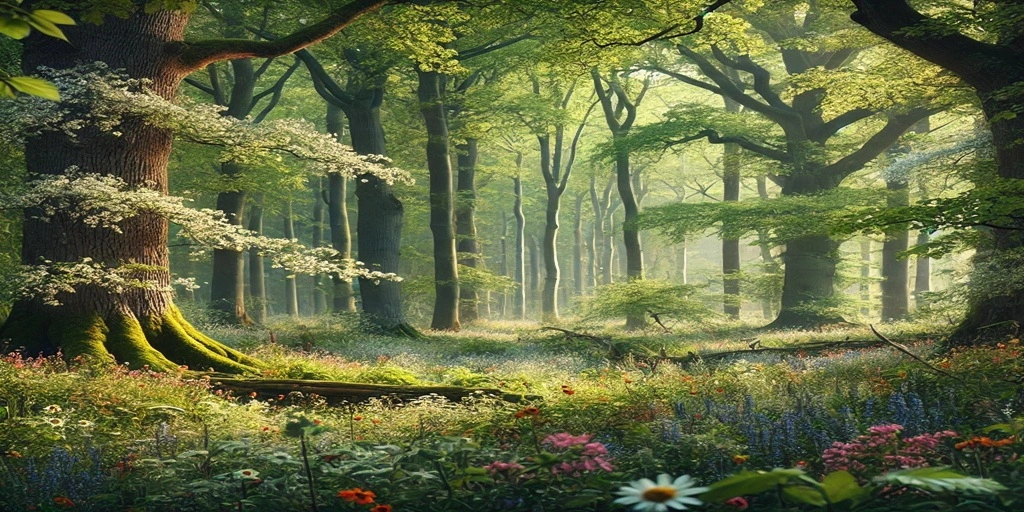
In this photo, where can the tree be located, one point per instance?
(142, 325)
(994, 68)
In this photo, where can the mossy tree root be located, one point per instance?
(161, 342)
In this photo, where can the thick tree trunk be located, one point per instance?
(465, 225)
(140, 326)
(257, 274)
(379, 224)
(430, 93)
(895, 270)
(630, 232)
(317, 235)
(291, 286)
(337, 216)
(519, 302)
(808, 283)
(503, 264)
(535, 260)
(227, 283)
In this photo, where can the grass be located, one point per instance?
(148, 441)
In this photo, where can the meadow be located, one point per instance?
(867, 428)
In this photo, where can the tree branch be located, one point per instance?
(877, 144)
(275, 91)
(663, 35)
(196, 55)
(839, 122)
(743, 142)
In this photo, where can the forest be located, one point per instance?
(519, 255)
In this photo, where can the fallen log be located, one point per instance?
(807, 348)
(349, 392)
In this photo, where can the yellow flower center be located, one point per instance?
(659, 494)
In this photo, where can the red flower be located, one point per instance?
(357, 496)
(61, 501)
(381, 508)
(738, 502)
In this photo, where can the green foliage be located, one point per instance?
(645, 297)
(939, 479)
(18, 23)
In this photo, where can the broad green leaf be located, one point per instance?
(34, 86)
(805, 494)
(749, 482)
(842, 486)
(940, 479)
(46, 27)
(14, 28)
(7, 90)
(55, 17)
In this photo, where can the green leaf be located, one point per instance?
(805, 494)
(940, 479)
(46, 27)
(749, 482)
(55, 17)
(14, 27)
(842, 486)
(7, 90)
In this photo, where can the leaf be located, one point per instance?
(7, 90)
(14, 27)
(169, 408)
(34, 86)
(842, 486)
(55, 17)
(749, 482)
(940, 479)
(805, 494)
(46, 27)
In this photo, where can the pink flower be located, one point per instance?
(739, 502)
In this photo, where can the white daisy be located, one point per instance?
(648, 496)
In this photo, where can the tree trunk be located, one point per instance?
(291, 289)
(465, 225)
(865, 277)
(337, 216)
(503, 264)
(446, 273)
(317, 235)
(579, 248)
(895, 270)
(922, 273)
(731, 246)
(379, 224)
(140, 326)
(227, 283)
(684, 263)
(535, 259)
(257, 274)
(808, 283)
(549, 295)
(519, 302)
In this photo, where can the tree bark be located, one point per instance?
(337, 215)
(465, 225)
(503, 264)
(140, 326)
(579, 248)
(291, 286)
(257, 274)
(865, 277)
(430, 93)
(317, 236)
(922, 274)
(549, 294)
(519, 301)
(731, 164)
(895, 270)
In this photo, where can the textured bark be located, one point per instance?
(519, 301)
(140, 326)
(895, 270)
(430, 93)
(337, 215)
(549, 249)
(257, 274)
(465, 225)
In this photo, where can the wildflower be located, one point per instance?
(55, 422)
(85, 423)
(740, 459)
(357, 418)
(529, 411)
(567, 390)
(375, 421)
(648, 496)
(13, 454)
(739, 502)
(381, 508)
(61, 501)
(52, 409)
(357, 496)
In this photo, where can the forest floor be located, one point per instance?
(597, 408)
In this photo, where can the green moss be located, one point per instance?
(169, 335)
(386, 374)
(81, 336)
(211, 344)
(127, 342)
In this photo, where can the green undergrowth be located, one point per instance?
(110, 438)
